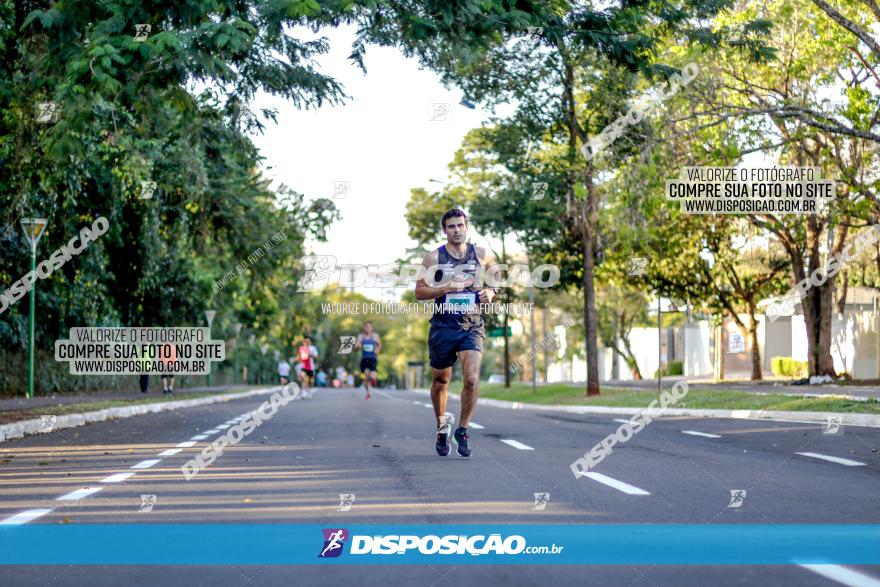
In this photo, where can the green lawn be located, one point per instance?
(9, 416)
(562, 394)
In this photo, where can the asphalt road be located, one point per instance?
(294, 466)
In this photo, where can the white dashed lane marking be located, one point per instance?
(79, 493)
(214, 431)
(476, 426)
(145, 464)
(169, 452)
(618, 485)
(843, 575)
(622, 421)
(186, 444)
(117, 478)
(704, 434)
(199, 437)
(24, 517)
(837, 460)
(516, 444)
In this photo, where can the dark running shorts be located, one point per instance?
(444, 344)
(368, 364)
(308, 372)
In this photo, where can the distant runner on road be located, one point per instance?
(307, 354)
(457, 324)
(370, 345)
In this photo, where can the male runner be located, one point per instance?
(457, 323)
(284, 371)
(306, 355)
(370, 345)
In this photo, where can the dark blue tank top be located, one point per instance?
(451, 310)
(368, 348)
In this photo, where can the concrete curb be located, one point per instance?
(870, 420)
(26, 427)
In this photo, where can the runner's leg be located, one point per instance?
(438, 392)
(470, 366)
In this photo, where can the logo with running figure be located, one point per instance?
(318, 270)
(334, 540)
(346, 345)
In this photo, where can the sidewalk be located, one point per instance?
(855, 390)
(23, 403)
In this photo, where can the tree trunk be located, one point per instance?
(506, 354)
(719, 351)
(504, 325)
(756, 349)
(590, 317)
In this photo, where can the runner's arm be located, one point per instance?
(357, 343)
(378, 343)
(427, 292)
(493, 274)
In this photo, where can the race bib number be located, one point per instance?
(461, 302)
(368, 347)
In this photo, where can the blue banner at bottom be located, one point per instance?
(519, 544)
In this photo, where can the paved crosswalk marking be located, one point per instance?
(145, 464)
(24, 517)
(79, 493)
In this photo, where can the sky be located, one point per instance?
(382, 141)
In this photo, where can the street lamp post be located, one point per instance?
(237, 327)
(33, 229)
(251, 340)
(263, 347)
(209, 316)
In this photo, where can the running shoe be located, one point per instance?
(443, 446)
(461, 437)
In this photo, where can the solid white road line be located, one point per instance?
(24, 517)
(619, 485)
(117, 478)
(843, 575)
(187, 444)
(705, 434)
(476, 426)
(169, 452)
(199, 437)
(516, 444)
(79, 493)
(837, 460)
(145, 464)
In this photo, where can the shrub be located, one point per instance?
(673, 368)
(788, 367)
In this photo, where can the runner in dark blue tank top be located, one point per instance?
(370, 345)
(454, 278)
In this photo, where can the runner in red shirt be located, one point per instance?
(307, 353)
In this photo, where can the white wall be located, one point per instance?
(697, 348)
(854, 344)
(777, 339)
(798, 338)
